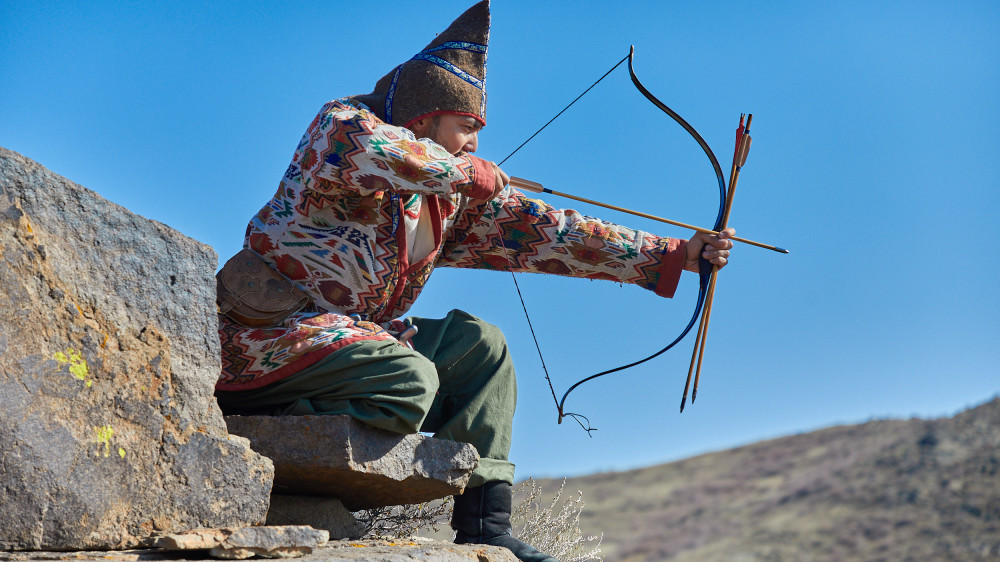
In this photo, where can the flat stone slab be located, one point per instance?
(247, 542)
(363, 466)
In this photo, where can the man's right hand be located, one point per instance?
(500, 180)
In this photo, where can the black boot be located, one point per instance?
(482, 516)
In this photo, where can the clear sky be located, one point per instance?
(874, 161)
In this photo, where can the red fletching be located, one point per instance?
(739, 139)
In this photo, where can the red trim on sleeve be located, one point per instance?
(482, 187)
(670, 270)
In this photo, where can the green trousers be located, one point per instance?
(459, 384)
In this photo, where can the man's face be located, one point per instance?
(456, 133)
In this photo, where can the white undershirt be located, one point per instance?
(420, 233)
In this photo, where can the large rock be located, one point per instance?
(108, 356)
(363, 466)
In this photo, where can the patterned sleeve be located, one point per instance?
(538, 238)
(347, 148)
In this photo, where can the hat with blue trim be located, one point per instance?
(448, 76)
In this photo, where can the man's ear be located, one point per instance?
(420, 126)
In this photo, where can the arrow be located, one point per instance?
(743, 141)
(535, 187)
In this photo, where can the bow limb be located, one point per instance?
(705, 268)
(691, 131)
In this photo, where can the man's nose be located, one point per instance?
(472, 144)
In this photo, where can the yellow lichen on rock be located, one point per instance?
(104, 434)
(77, 364)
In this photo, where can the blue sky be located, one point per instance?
(873, 161)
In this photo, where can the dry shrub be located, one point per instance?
(403, 521)
(553, 528)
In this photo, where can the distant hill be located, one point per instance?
(888, 490)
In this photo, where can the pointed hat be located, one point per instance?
(448, 76)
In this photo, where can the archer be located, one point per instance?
(382, 189)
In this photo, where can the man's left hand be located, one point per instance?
(712, 247)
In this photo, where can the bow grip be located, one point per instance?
(705, 267)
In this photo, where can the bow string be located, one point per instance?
(705, 268)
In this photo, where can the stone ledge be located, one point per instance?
(363, 466)
(410, 550)
(383, 551)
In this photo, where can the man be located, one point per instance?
(363, 215)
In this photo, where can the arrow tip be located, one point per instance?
(782, 250)
(683, 401)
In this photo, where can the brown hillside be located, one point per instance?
(883, 490)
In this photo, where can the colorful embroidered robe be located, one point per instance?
(342, 222)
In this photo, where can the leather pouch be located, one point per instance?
(255, 295)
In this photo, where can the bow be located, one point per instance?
(706, 269)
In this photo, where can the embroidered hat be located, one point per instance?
(448, 76)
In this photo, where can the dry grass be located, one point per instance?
(553, 527)
(404, 521)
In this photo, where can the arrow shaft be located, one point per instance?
(739, 159)
(535, 187)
